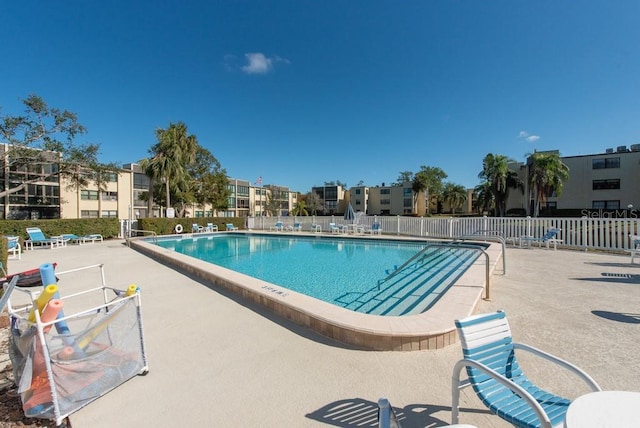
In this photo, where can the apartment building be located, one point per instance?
(332, 198)
(599, 182)
(40, 198)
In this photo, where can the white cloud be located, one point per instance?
(527, 137)
(258, 63)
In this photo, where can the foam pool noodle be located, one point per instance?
(51, 312)
(131, 290)
(49, 292)
(49, 277)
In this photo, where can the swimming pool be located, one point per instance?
(358, 275)
(432, 329)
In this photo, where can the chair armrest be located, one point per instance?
(545, 422)
(559, 361)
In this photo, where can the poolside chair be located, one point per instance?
(386, 416)
(295, 227)
(334, 228)
(548, 238)
(195, 228)
(211, 227)
(498, 380)
(13, 246)
(278, 227)
(68, 238)
(36, 237)
(316, 228)
(230, 227)
(376, 229)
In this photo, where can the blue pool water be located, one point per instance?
(351, 273)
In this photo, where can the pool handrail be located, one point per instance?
(154, 235)
(453, 244)
(476, 248)
(495, 238)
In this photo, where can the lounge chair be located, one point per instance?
(71, 238)
(498, 380)
(375, 229)
(230, 227)
(337, 228)
(211, 227)
(92, 237)
(196, 228)
(548, 238)
(13, 246)
(295, 227)
(36, 237)
(316, 228)
(278, 227)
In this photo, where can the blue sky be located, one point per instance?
(302, 92)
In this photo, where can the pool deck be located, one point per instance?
(216, 360)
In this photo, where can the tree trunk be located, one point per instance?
(166, 189)
(150, 199)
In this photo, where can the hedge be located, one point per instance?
(167, 226)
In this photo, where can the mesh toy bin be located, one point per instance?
(64, 364)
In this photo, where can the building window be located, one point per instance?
(602, 163)
(407, 191)
(408, 203)
(385, 201)
(357, 202)
(243, 190)
(140, 181)
(606, 184)
(110, 196)
(385, 191)
(110, 214)
(605, 205)
(89, 195)
(89, 214)
(357, 191)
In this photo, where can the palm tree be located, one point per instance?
(171, 155)
(547, 173)
(300, 208)
(455, 195)
(496, 172)
(485, 200)
(427, 180)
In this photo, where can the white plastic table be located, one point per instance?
(604, 409)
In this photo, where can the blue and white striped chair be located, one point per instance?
(497, 379)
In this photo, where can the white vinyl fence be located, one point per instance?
(577, 233)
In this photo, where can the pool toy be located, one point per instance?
(131, 290)
(178, 228)
(49, 292)
(49, 277)
(51, 312)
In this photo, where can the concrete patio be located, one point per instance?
(216, 361)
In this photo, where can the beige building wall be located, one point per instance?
(113, 201)
(608, 181)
